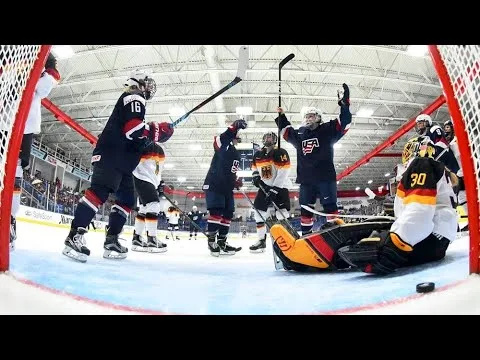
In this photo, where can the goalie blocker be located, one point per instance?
(318, 251)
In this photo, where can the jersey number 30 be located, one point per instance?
(418, 179)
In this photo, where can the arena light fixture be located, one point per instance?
(417, 50)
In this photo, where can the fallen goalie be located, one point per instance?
(424, 226)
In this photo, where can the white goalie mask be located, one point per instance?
(311, 117)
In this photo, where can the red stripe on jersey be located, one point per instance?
(131, 124)
(285, 134)
(226, 221)
(422, 192)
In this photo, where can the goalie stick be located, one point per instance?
(306, 207)
(276, 261)
(280, 66)
(242, 68)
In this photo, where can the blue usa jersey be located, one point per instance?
(221, 176)
(315, 147)
(121, 142)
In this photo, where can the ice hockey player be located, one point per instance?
(314, 142)
(173, 215)
(149, 186)
(49, 79)
(116, 154)
(425, 126)
(195, 216)
(425, 225)
(218, 186)
(462, 196)
(271, 167)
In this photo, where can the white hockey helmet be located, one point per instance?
(140, 80)
(194, 208)
(311, 116)
(425, 121)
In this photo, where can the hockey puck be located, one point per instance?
(425, 287)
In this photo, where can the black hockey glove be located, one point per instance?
(51, 62)
(256, 179)
(239, 124)
(344, 97)
(282, 121)
(272, 194)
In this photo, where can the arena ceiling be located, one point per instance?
(389, 86)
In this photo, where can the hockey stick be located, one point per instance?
(306, 207)
(184, 214)
(276, 261)
(280, 66)
(242, 68)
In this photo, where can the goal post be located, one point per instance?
(458, 68)
(20, 69)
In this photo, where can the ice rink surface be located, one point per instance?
(188, 280)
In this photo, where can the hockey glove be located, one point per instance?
(282, 121)
(271, 195)
(51, 62)
(256, 179)
(239, 124)
(160, 132)
(378, 255)
(238, 183)
(161, 188)
(344, 96)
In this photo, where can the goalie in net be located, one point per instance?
(425, 194)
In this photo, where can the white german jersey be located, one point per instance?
(151, 165)
(456, 152)
(273, 167)
(424, 202)
(173, 215)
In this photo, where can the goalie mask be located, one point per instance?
(140, 81)
(312, 117)
(422, 122)
(418, 146)
(269, 139)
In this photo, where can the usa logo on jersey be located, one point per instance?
(308, 145)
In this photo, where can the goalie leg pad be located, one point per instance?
(296, 250)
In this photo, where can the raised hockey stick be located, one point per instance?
(242, 68)
(280, 66)
(306, 207)
(184, 214)
(276, 261)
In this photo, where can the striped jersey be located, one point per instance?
(151, 164)
(425, 202)
(273, 167)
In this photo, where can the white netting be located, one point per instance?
(16, 64)
(463, 67)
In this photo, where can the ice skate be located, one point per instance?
(138, 243)
(113, 249)
(75, 245)
(155, 246)
(225, 248)
(259, 247)
(212, 245)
